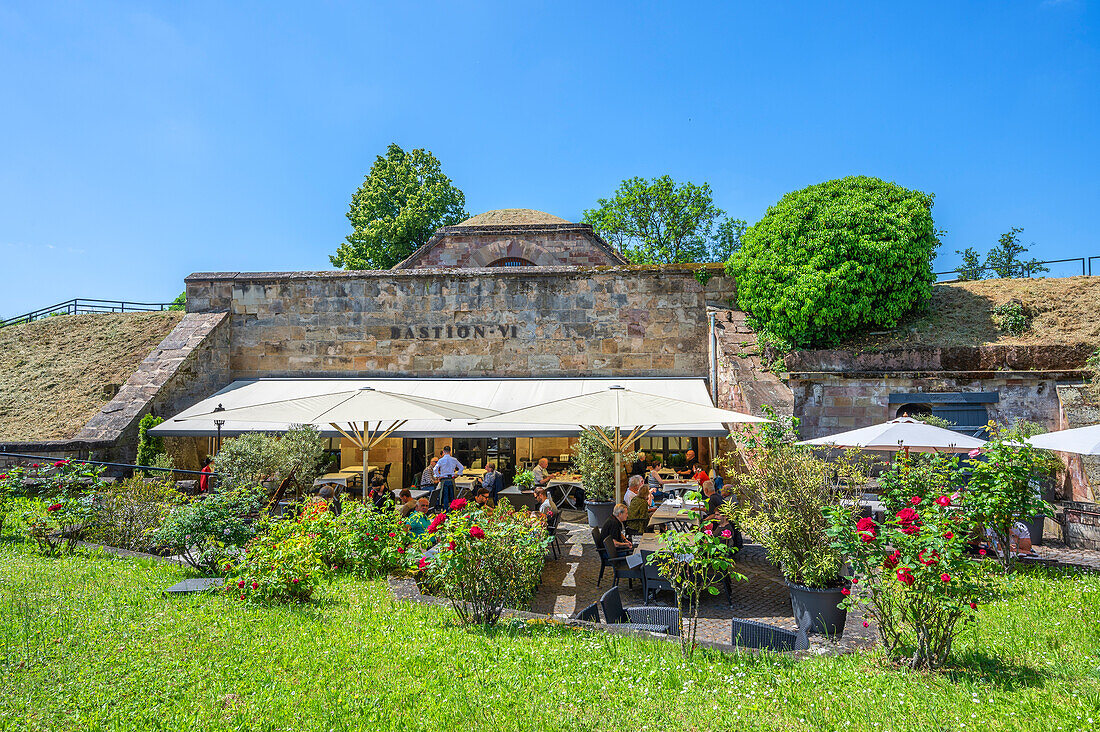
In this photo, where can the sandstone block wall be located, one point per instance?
(544, 245)
(607, 321)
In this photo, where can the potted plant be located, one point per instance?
(595, 462)
(524, 480)
(782, 500)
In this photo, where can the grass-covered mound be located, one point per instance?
(90, 642)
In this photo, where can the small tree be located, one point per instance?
(694, 563)
(661, 222)
(593, 459)
(400, 204)
(1006, 258)
(149, 446)
(971, 267)
(1005, 486)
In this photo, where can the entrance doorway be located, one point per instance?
(414, 451)
(475, 452)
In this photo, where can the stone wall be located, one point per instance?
(605, 321)
(544, 245)
(188, 365)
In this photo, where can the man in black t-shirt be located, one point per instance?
(612, 534)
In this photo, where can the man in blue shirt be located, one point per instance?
(447, 469)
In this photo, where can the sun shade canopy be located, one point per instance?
(1081, 440)
(492, 395)
(903, 433)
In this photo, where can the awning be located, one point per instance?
(501, 395)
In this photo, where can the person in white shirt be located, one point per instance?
(632, 487)
(547, 507)
(542, 472)
(446, 470)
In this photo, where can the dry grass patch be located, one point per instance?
(56, 373)
(1064, 312)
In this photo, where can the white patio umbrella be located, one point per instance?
(903, 433)
(351, 413)
(1080, 440)
(611, 411)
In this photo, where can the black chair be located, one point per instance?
(652, 579)
(386, 471)
(751, 634)
(619, 567)
(589, 614)
(552, 530)
(656, 619)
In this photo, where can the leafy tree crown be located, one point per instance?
(836, 257)
(400, 204)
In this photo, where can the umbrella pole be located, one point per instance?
(366, 452)
(618, 467)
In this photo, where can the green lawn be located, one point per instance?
(89, 643)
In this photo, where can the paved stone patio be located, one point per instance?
(569, 584)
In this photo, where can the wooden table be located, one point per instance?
(667, 513)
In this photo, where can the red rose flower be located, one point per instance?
(436, 522)
(242, 597)
(458, 504)
(932, 557)
(906, 577)
(981, 552)
(477, 532)
(422, 563)
(949, 536)
(400, 550)
(944, 501)
(855, 580)
(973, 606)
(451, 545)
(892, 561)
(914, 501)
(945, 577)
(241, 584)
(59, 463)
(54, 507)
(909, 520)
(391, 534)
(865, 624)
(4, 476)
(295, 580)
(845, 591)
(254, 585)
(866, 524)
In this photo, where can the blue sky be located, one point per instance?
(142, 142)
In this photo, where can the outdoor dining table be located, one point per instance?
(680, 487)
(669, 512)
(332, 479)
(565, 487)
(416, 494)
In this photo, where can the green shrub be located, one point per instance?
(836, 257)
(254, 457)
(57, 524)
(362, 540)
(595, 462)
(127, 514)
(280, 565)
(488, 559)
(210, 529)
(1010, 317)
(149, 446)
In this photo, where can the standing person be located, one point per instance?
(639, 466)
(446, 470)
(542, 472)
(205, 477)
(492, 481)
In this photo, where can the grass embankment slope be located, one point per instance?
(56, 373)
(90, 643)
(1064, 313)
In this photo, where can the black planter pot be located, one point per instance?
(817, 610)
(1035, 527)
(598, 512)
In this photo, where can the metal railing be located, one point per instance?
(1086, 268)
(80, 306)
(48, 460)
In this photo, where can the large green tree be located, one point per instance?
(659, 222)
(835, 258)
(401, 203)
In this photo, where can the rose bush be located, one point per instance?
(484, 560)
(912, 574)
(210, 530)
(57, 524)
(128, 513)
(361, 540)
(284, 564)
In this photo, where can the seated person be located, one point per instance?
(547, 507)
(1019, 539)
(655, 482)
(700, 474)
(713, 498)
(689, 464)
(419, 520)
(406, 504)
(492, 481)
(613, 535)
(632, 486)
(637, 513)
(483, 498)
(542, 472)
(427, 476)
(380, 494)
(328, 495)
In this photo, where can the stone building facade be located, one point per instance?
(514, 237)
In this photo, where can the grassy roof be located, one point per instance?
(56, 373)
(1064, 311)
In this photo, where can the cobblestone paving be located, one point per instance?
(1080, 558)
(569, 584)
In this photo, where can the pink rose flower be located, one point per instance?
(974, 453)
(943, 501)
(914, 501)
(945, 577)
(708, 532)
(726, 534)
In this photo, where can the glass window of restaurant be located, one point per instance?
(475, 452)
(669, 450)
